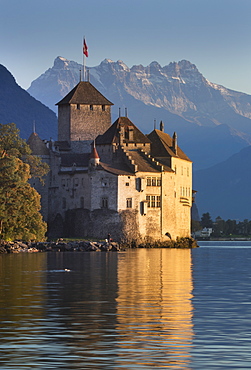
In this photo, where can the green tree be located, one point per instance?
(19, 202)
(206, 220)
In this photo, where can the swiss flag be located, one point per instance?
(85, 49)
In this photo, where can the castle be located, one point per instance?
(111, 178)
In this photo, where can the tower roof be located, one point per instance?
(84, 93)
(162, 146)
(94, 153)
(112, 134)
(37, 145)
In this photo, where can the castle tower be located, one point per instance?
(83, 114)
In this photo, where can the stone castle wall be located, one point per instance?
(82, 122)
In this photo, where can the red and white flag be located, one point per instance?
(85, 49)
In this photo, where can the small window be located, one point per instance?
(63, 183)
(157, 201)
(104, 202)
(103, 108)
(153, 201)
(78, 106)
(128, 202)
(76, 182)
(148, 181)
(127, 184)
(91, 107)
(148, 199)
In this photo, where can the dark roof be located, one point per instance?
(162, 146)
(70, 159)
(116, 169)
(63, 145)
(38, 147)
(84, 93)
(112, 134)
(144, 165)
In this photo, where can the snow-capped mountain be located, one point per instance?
(203, 113)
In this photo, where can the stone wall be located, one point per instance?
(83, 223)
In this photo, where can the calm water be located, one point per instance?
(140, 309)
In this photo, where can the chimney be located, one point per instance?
(175, 142)
(161, 126)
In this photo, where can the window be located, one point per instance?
(157, 201)
(64, 203)
(127, 184)
(103, 108)
(76, 182)
(63, 182)
(104, 202)
(104, 182)
(91, 107)
(153, 201)
(78, 106)
(153, 181)
(128, 202)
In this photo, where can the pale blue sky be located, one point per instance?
(212, 34)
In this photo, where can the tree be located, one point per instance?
(19, 202)
(206, 220)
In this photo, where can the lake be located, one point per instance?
(138, 309)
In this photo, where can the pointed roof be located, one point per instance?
(84, 93)
(113, 133)
(94, 153)
(37, 145)
(162, 146)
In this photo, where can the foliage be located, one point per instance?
(222, 228)
(195, 226)
(206, 220)
(19, 202)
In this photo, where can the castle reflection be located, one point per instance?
(154, 308)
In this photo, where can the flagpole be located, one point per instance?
(85, 54)
(83, 61)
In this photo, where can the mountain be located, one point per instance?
(16, 105)
(224, 189)
(212, 122)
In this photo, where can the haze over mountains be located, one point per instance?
(213, 123)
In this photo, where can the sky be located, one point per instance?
(215, 35)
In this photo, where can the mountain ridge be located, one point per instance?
(178, 94)
(18, 106)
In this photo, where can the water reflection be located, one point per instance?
(154, 310)
(22, 301)
(127, 310)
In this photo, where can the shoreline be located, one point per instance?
(89, 246)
